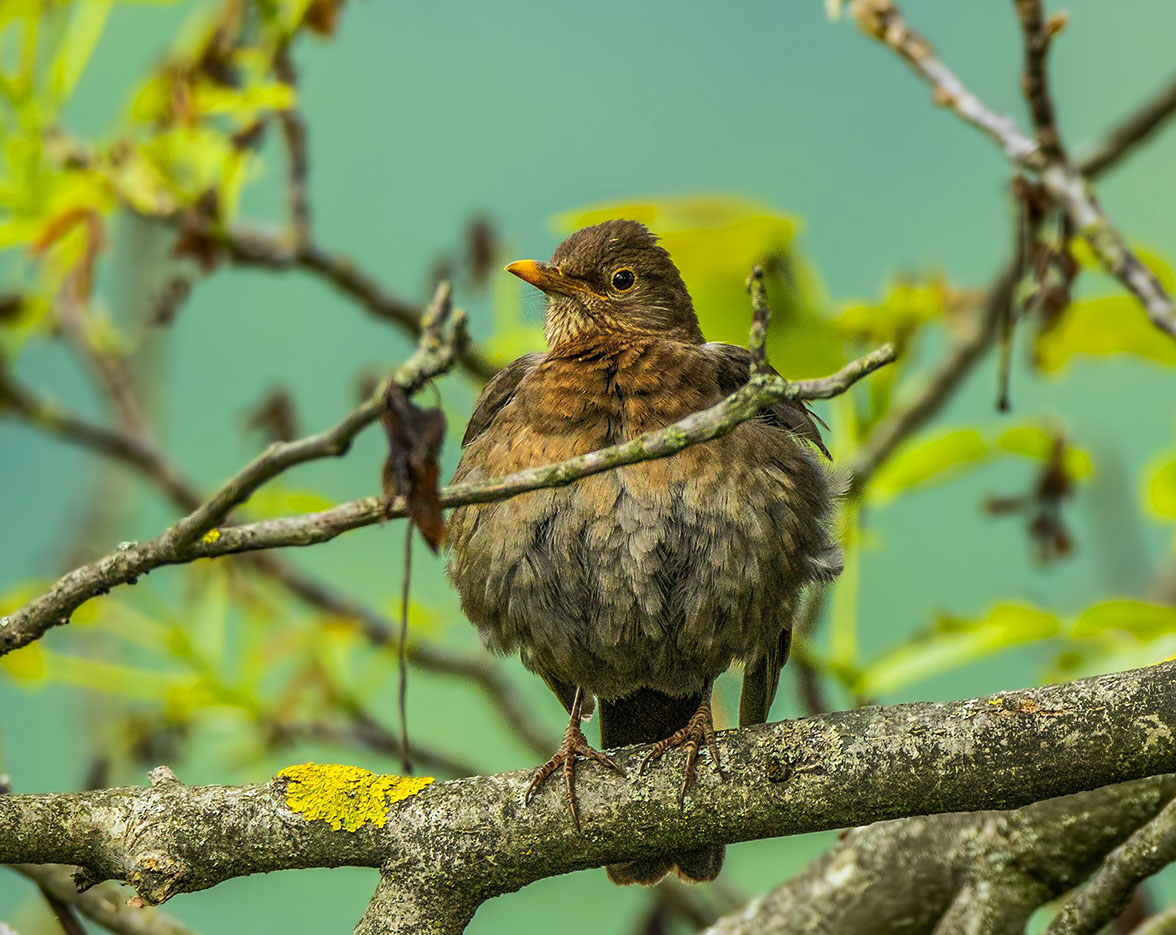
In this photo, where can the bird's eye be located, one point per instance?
(624, 279)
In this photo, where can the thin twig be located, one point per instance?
(906, 418)
(1135, 130)
(297, 151)
(1065, 184)
(256, 249)
(198, 536)
(1039, 35)
(402, 667)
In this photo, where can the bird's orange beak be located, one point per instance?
(547, 277)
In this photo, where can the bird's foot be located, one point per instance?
(575, 744)
(699, 731)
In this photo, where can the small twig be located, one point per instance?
(760, 317)
(434, 356)
(882, 20)
(198, 536)
(367, 733)
(1135, 130)
(104, 905)
(402, 673)
(256, 249)
(1039, 34)
(908, 417)
(297, 151)
(1148, 851)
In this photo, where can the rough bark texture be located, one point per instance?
(834, 771)
(979, 872)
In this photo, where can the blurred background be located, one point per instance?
(445, 140)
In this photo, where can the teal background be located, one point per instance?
(422, 115)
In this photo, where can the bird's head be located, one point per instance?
(611, 278)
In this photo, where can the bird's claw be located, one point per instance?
(699, 731)
(574, 745)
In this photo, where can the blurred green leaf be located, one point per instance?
(1140, 619)
(1101, 327)
(956, 643)
(1032, 441)
(904, 309)
(73, 54)
(937, 459)
(1161, 489)
(715, 241)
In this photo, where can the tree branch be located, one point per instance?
(197, 535)
(917, 876)
(1135, 130)
(104, 905)
(251, 248)
(1066, 185)
(833, 771)
(1148, 851)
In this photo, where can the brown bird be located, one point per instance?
(638, 586)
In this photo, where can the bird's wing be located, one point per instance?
(735, 368)
(760, 678)
(497, 393)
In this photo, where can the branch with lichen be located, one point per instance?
(882, 20)
(1149, 850)
(471, 839)
(967, 872)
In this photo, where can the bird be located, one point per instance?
(631, 590)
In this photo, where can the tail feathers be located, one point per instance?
(647, 716)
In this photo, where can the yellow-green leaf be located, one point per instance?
(1143, 620)
(1161, 489)
(81, 36)
(922, 461)
(1035, 442)
(1100, 327)
(949, 648)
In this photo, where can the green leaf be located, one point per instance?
(1032, 441)
(1101, 327)
(905, 308)
(81, 36)
(715, 241)
(1140, 619)
(954, 644)
(939, 459)
(1161, 489)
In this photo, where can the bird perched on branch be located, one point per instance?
(636, 587)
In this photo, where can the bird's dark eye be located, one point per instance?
(623, 279)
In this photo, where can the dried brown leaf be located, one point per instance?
(412, 469)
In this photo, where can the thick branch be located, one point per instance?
(883, 20)
(1145, 853)
(179, 544)
(844, 769)
(922, 875)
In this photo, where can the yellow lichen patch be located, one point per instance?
(211, 536)
(346, 797)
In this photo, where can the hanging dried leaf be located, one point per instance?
(411, 471)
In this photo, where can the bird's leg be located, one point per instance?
(574, 744)
(699, 730)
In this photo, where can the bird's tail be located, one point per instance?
(647, 716)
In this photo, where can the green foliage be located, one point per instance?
(1161, 488)
(715, 241)
(940, 457)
